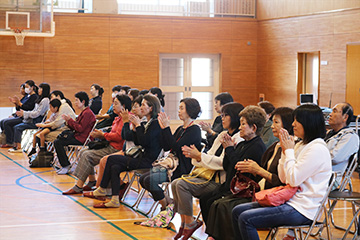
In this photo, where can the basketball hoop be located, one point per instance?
(19, 34)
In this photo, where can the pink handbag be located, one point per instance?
(275, 196)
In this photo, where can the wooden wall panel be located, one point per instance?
(139, 45)
(21, 60)
(244, 30)
(277, 54)
(82, 24)
(148, 62)
(76, 44)
(76, 61)
(201, 46)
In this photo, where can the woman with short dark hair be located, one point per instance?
(81, 128)
(148, 136)
(306, 164)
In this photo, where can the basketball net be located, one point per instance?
(19, 35)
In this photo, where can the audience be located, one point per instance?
(217, 127)
(184, 189)
(133, 93)
(266, 134)
(7, 125)
(30, 118)
(189, 134)
(148, 136)
(266, 174)
(95, 103)
(89, 158)
(297, 168)
(80, 129)
(108, 118)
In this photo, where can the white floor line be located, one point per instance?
(345, 208)
(67, 223)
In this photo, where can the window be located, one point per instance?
(189, 75)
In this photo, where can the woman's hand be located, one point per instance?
(20, 113)
(135, 120)
(164, 120)
(66, 117)
(97, 134)
(124, 113)
(191, 152)
(286, 141)
(227, 141)
(206, 127)
(248, 166)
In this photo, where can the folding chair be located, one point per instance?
(346, 181)
(315, 224)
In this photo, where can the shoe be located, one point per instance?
(91, 195)
(71, 192)
(162, 219)
(87, 188)
(102, 205)
(180, 233)
(122, 190)
(15, 150)
(288, 237)
(33, 151)
(6, 146)
(189, 232)
(64, 170)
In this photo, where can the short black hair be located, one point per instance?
(116, 88)
(100, 89)
(55, 103)
(144, 92)
(233, 109)
(82, 96)
(125, 101)
(348, 109)
(31, 83)
(133, 92)
(267, 106)
(125, 88)
(312, 119)
(224, 98)
(192, 106)
(287, 118)
(159, 93)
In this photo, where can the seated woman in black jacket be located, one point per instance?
(95, 103)
(148, 136)
(218, 223)
(188, 134)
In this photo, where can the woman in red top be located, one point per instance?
(89, 158)
(81, 128)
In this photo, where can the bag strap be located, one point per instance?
(187, 178)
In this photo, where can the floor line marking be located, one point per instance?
(70, 223)
(70, 197)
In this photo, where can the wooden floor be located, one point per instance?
(32, 207)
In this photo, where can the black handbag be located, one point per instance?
(243, 187)
(65, 135)
(135, 152)
(98, 144)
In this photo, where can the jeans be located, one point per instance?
(151, 180)
(248, 217)
(7, 126)
(18, 129)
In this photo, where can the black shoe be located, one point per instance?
(33, 151)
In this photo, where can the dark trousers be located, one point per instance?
(205, 203)
(117, 164)
(59, 145)
(151, 180)
(18, 129)
(7, 126)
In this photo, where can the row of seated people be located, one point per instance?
(238, 148)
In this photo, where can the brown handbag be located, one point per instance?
(243, 187)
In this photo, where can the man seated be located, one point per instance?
(341, 141)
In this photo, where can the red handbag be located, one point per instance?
(243, 187)
(275, 196)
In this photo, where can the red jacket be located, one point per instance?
(83, 124)
(114, 136)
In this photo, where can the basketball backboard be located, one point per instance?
(34, 16)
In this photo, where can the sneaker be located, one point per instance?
(15, 150)
(63, 170)
(33, 151)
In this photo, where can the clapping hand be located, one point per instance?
(286, 141)
(247, 166)
(124, 113)
(164, 120)
(205, 126)
(135, 120)
(227, 141)
(191, 152)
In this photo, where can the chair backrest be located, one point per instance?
(322, 207)
(88, 137)
(346, 179)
